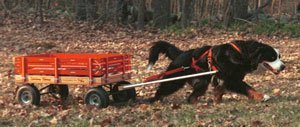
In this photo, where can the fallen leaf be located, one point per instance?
(53, 121)
(143, 107)
(276, 92)
(257, 123)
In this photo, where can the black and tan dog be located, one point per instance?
(232, 61)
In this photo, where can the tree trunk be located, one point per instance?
(161, 16)
(48, 4)
(141, 14)
(40, 11)
(272, 7)
(240, 9)
(260, 7)
(186, 13)
(80, 10)
(202, 10)
(236, 9)
(298, 8)
(256, 8)
(6, 11)
(280, 5)
(228, 12)
(91, 10)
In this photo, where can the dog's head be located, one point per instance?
(269, 58)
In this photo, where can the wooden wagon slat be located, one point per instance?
(71, 79)
(51, 68)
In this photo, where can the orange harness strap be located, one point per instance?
(209, 56)
(176, 70)
(235, 47)
(160, 76)
(194, 61)
(210, 60)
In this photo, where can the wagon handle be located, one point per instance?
(166, 80)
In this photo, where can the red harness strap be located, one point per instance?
(193, 65)
(209, 56)
(210, 60)
(194, 61)
(159, 76)
(235, 47)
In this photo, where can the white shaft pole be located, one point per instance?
(167, 80)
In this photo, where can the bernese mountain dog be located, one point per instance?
(232, 61)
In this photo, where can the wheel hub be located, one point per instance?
(95, 100)
(26, 97)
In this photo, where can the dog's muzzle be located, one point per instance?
(276, 66)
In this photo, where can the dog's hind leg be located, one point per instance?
(167, 88)
(199, 89)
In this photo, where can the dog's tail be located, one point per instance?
(163, 47)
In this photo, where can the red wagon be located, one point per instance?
(60, 70)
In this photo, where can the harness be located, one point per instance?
(194, 65)
(211, 66)
(236, 47)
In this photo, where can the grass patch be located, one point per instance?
(178, 30)
(268, 27)
(272, 27)
(264, 26)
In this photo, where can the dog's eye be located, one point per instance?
(273, 58)
(279, 56)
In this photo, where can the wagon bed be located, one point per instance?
(84, 69)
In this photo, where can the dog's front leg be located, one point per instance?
(200, 86)
(242, 87)
(218, 89)
(254, 95)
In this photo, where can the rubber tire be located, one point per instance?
(101, 94)
(124, 95)
(32, 90)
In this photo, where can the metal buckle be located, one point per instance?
(185, 68)
(209, 66)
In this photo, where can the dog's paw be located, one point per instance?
(154, 99)
(266, 98)
(149, 67)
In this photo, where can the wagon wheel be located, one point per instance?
(59, 91)
(97, 97)
(123, 95)
(28, 94)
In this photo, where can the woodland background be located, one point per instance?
(158, 13)
(130, 26)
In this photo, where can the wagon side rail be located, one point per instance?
(91, 71)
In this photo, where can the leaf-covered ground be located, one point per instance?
(21, 37)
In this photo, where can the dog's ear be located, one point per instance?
(256, 56)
